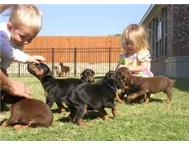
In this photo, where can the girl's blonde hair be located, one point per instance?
(24, 15)
(137, 35)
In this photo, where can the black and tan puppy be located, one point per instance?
(96, 96)
(145, 86)
(27, 113)
(56, 90)
(87, 75)
(111, 75)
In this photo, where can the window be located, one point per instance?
(158, 34)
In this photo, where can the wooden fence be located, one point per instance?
(99, 53)
(75, 42)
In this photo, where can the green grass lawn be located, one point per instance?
(153, 121)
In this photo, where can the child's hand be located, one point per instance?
(36, 59)
(124, 61)
(19, 89)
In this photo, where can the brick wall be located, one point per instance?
(181, 30)
(176, 62)
(169, 30)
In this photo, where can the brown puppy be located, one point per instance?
(65, 69)
(145, 86)
(28, 113)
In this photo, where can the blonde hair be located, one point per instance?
(24, 15)
(137, 35)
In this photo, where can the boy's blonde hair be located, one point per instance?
(137, 35)
(25, 15)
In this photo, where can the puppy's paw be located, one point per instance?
(146, 101)
(18, 127)
(81, 123)
(114, 112)
(3, 123)
(132, 96)
(105, 117)
(119, 100)
(129, 101)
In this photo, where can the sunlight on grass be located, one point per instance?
(153, 121)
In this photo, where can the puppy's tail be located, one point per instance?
(117, 67)
(173, 81)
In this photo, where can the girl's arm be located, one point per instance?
(141, 67)
(143, 59)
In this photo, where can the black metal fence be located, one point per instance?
(100, 60)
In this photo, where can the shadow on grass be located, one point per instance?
(141, 101)
(90, 115)
(152, 100)
(64, 119)
(56, 111)
(182, 84)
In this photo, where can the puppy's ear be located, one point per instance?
(46, 69)
(123, 77)
(82, 73)
(49, 73)
(93, 73)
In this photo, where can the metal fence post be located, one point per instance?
(18, 69)
(53, 61)
(75, 62)
(109, 58)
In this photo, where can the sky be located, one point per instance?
(88, 19)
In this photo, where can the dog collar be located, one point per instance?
(113, 88)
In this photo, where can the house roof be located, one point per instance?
(152, 11)
(147, 13)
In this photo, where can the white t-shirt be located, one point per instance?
(8, 53)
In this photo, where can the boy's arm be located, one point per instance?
(5, 84)
(20, 56)
(9, 52)
(13, 87)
